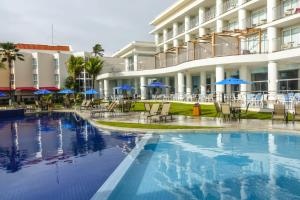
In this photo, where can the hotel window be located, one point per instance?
(34, 63)
(231, 25)
(290, 5)
(12, 79)
(34, 77)
(130, 64)
(253, 43)
(258, 17)
(56, 64)
(291, 37)
(56, 78)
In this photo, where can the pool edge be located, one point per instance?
(109, 185)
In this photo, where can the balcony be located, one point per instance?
(229, 5)
(170, 34)
(180, 29)
(223, 44)
(194, 22)
(286, 8)
(210, 14)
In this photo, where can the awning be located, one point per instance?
(50, 88)
(5, 89)
(26, 88)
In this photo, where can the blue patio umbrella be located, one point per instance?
(157, 85)
(42, 92)
(91, 91)
(125, 87)
(2, 94)
(66, 91)
(232, 81)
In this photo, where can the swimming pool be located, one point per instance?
(235, 165)
(57, 156)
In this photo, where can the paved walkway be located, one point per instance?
(245, 124)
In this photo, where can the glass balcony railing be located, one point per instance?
(180, 29)
(170, 35)
(194, 22)
(281, 43)
(286, 8)
(229, 5)
(209, 15)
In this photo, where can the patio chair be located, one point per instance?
(226, 112)
(87, 106)
(165, 112)
(296, 113)
(153, 111)
(108, 109)
(279, 112)
(218, 109)
(83, 104)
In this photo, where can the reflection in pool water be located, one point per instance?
(214, 166)
(57, 156)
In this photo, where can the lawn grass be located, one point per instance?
(152, 126)
(206, 111)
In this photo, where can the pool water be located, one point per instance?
(57, 156)
(212, 166)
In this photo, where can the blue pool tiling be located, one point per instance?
(235, 165)
(57, 157)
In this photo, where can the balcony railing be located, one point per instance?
(194, 22)
(281, 45)
(210, 14)
(170, 35)
(229, 5)
(180, 29)
(285, 9)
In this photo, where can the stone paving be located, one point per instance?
(245, 124)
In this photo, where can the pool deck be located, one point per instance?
(225, 125)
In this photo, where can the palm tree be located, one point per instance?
(98, 50)
(93, 66)
(9, 54)
(75, 67)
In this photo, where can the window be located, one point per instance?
(35, 79)
(231, 25)
(291, 37)
(130, 64)
(290, 5)
(34, 63)
(258, 17)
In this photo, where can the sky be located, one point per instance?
(79, 23)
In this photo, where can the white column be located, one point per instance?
(272, 37)
(176, 84)
(228, 87)
(176, 43)
(126, 64)
(213, 80)
(136, 86)
(166, 47)
(272, 79)
(165, 35)
(271, 14)
(135, 62)
(167, 82)
(101, 89)
(243, 14)
(244, 75)
(175, 33)
(188, 83)
(219, 7)
(201, 15)
(219, 77)
(187, 23)
(143, 88)
(203, 83)
(106, 88)
(220, 25)
(180, 78)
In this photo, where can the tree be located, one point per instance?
(75, 67)
(69, 82)
(93, 66)
(98, 50)
(9, 54)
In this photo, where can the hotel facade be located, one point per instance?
(200, 42)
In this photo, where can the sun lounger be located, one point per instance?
(110, 109)
(165, 112)
(279, 112)
(296, 113)
(153, 111)
(226, 112)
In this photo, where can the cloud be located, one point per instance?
(80, 23)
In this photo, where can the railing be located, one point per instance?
(252, 47)
(171, 59)
(194, 22)
(280, 44)
(210, 14)
(229, 5)
(160, 39)
(180, 29)
(285, 9)
(182, 55)
(170, 35)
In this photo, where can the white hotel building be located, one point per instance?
(200, 42)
